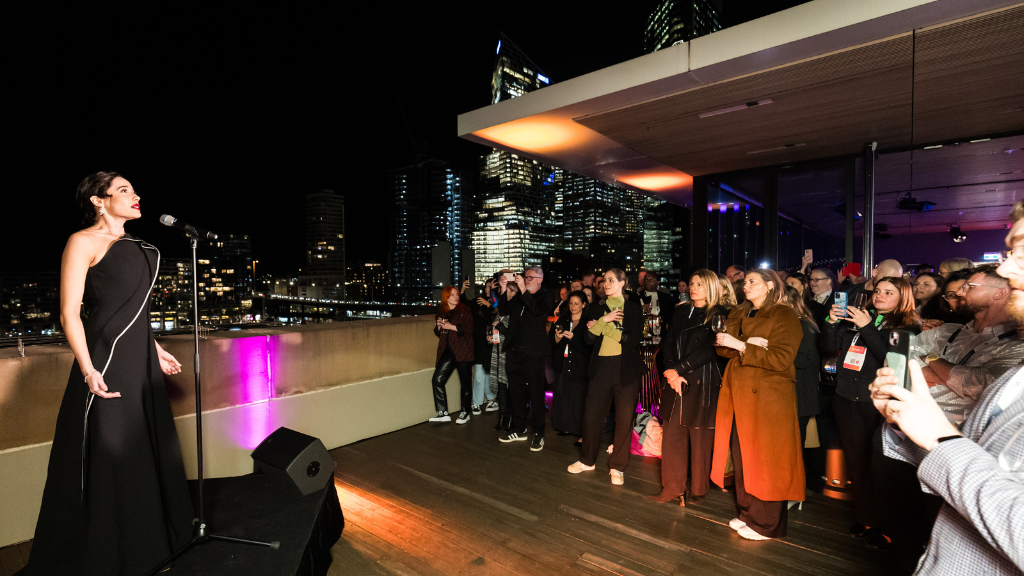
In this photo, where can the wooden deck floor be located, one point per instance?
(442, 499)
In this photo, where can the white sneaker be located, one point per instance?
(749, 533)
(476, 410)
(736, 523)
(577, 467)
(617, 477)
(491, 406)
(441, 417)
(463, 417)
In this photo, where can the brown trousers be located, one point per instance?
(767, 518)
(685, 449)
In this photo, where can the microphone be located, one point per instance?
(168, 220)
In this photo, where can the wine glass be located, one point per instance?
(718, 323)
(860, 301)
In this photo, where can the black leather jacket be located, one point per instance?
(689, 349)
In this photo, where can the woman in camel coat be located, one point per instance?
(757, 409)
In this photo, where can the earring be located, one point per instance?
(102, 211)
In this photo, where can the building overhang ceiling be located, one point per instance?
(827, 76)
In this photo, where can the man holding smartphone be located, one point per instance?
(959, 361)
(526, 346)
(979, 469)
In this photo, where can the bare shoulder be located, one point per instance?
(85, 244)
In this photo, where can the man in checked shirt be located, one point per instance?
(978, 469)
(959, 361)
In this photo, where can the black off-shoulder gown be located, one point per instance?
(116, 500)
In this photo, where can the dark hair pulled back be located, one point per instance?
(97, 184)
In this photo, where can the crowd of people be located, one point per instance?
(761, 369)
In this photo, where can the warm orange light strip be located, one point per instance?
(658, 181)
(555, 136)
(537, 134)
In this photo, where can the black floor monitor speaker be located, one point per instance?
(296, 459)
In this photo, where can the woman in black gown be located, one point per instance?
(115, 500)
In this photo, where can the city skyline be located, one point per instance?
(227, 126)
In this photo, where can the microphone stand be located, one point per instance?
(201, 533)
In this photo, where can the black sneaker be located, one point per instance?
(538, 443)
(512, 436)
(463, 417)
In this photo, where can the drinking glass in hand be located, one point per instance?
(718, 323)
(860, 301)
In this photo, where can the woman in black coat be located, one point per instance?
(570, 360)
(689, 398)
(808, 374)
(861, 353)
(808, 363)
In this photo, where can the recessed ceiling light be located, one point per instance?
(778, 148)
(982, 140)
(932, 147)
(735, 108)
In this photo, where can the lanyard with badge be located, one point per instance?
(855, 355)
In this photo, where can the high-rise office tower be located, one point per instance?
(514, 73)
(171, 305)
(677, 21)
(603, 222)
(325, 245)
(516, 211)
(659, 235)
(515, 221)
(432, 205)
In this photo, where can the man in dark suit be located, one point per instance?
(527, 344)
(661, 304)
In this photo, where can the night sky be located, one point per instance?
(226, 119)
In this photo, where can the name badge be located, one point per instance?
(855, 358)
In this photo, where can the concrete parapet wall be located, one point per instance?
(237, 368)
(339, 382)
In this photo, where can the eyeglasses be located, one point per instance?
(816, 280)
(969, 285)
(1018, 255)
(949, 296)
(530, 277)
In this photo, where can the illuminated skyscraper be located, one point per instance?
(603, 222)
(515, 222)
(677, 21)
(325, 244)
(431, 201)
(516, 215)
(514, 73)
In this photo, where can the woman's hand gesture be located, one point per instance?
(613, 316)
(836, 314)
(168, 363)
(858, 316)
(729, 341)
(98, 387)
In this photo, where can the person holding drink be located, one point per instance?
(689, 398)
(757, 408)
(615, 329)
(454, 330)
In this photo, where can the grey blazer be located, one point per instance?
(980, 529)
